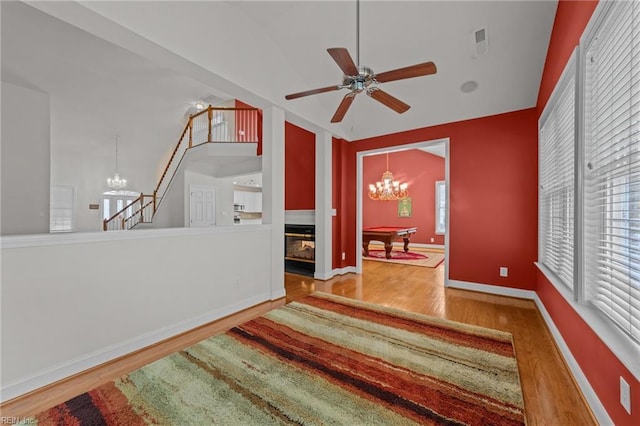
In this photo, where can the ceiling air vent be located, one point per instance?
(481, 44)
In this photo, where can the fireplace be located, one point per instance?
(300, 249)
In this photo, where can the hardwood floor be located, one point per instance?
(550, 394)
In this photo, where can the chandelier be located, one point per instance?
(116, 182)
(388, 189)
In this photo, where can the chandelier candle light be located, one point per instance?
(388, 189)
(116, 182)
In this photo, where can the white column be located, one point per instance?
(25, 144)
(323, 212)
(273, 193)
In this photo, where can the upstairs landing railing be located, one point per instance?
(211, 125)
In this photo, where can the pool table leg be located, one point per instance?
(388, 245)
(406, 243)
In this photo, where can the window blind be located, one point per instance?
(612, 172)
(61, 208)
(556, 179)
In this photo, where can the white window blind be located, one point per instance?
(612, 172)
(556, 179)
(61, 208)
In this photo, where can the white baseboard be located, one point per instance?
(334, 272)
(585, 387)
(109, 353)
(345, 270)
(492, 289)
(278, 294)
(323, 275)
(592, 399)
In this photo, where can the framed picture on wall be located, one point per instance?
(404, 207)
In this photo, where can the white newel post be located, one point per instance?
(273, 193)
(323, 211)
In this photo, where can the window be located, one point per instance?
(612, 172)
(61, 199)
(556, 162)
(441, 206)
(599, 210)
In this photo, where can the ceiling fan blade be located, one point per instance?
(312, 92)
(386, 99)
(418, 70)
(343, 107)
(344, 61)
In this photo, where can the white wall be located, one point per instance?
(171, 208)
(96, 296)
(174, 209)
(25, 153)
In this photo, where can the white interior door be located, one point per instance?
(202, 205)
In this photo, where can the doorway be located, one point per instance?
(439, 144)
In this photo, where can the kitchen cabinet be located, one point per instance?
(251, 201)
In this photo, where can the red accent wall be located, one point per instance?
(571, 19)
(493, 195)
(240, 104)
(299, 168)
(420, 170)
(601, 367)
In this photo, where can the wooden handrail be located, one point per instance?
(189, 127)
(124, 208)
(206, 110)
(140, 210)
(156, 192)
(171, 158)
(209, 119)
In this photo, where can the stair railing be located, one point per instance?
(211, 125)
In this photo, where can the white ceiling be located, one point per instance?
(272, 48)
(395, 34)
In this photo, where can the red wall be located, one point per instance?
(571, 19)
(493, 195)
(420, 170)
(598, 363)
(240, 104)
(299, 168)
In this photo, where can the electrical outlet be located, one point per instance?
(344, 255)
(504, 271)
(625, 395)
(433, 239)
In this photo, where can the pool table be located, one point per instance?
(386, 234)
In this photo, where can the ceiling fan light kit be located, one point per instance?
(358, 78)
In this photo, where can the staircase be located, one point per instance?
(213, 125)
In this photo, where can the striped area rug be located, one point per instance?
(321, 360)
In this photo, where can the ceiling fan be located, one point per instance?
(358, 78)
